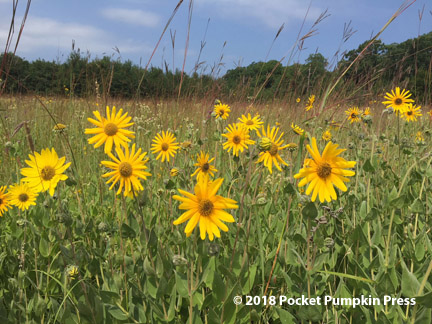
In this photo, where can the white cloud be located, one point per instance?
(131, 16)
(50, 36)
(270, 13)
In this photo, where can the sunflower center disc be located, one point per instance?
(47, 173)
(125, 169)
(23, 197)
(236, 139)
(1, 201)
(409, 113)
(353, 116)
(398, 101)
(249, 122)
(205, 207)
(221, 112)
(205, 167)
(110, 129)
(324, 170)
(164, 147)
(273, 150)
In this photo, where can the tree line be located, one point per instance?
(406, 64)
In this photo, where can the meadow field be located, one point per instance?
(237, 213)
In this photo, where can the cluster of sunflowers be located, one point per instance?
(204, 208)
(43, 173)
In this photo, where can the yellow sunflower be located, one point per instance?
(4, 200)
(238, 138)
(59, 128)
(419, 137)
(366, 112)
(45, 171)
(353, 114)
(166, 145)
(22, 195)
(222, 110)
(327, 135)
(205, 208)
(398, 100)
(323, 171)
(205, 169)
(251, 123)
(310, 102)
(296, 129)
(174, 172)
(128, 168)
(271, 155)
(298, 100)
(411, 113)
(110, 130)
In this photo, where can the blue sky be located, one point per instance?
(247, 27)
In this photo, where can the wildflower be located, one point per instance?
(264, 144)
(238, 138)
(174, 172)
(127, 168)
(4, 200)
(323, 171)
(186, 144)
(310, 102)
(251, 123)
(59, 128)
(205, 169)
(72, 271)
(291, 147)
(298, 100)
(22, 195)
(297, 130)
(419, 137)
(327, 135)
(45, 171)
(166, 146)
(110, 130)
(205, 208)
(353, 114)
(411, 113)
(271, 156)
(222, 110)
(398, 100)
(366, 112)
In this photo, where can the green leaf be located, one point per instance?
(218, 288)
(170, 185)
(311, 313)
(44, 248)
(417, 206)
(127, 231)
(425, 300)
(363, 210)
(284, 316)
(70, 182)
(410, 284)
(399, 202)
(310, 211)
(289, 189)
(368, 167)
(250, 278)
(181, 284)
(118, 314)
